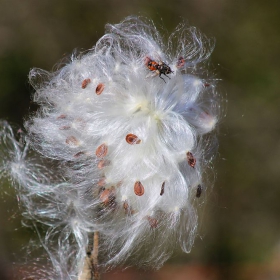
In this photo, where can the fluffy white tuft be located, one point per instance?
(127, 138)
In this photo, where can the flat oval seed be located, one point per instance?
(79, 154)
(139, 188)
(101, 151)
(100, 87)
(132, 139)
(71, 140)
(191, 159)
(152, 221)
(85, 83)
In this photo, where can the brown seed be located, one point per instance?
(65, 127)
(139, 188)
(152, 221)
(162, 188)
(198, 191)
(71, 140)
(119, 184)
(180, 62)
(79, 154)
(132, 139)
(101, 182)
(100, 87)
(125, 207)
(61, 116)
(191, 159)
(206, 85)
(107, 196)
(85, 83)
(101, 151)
(101, 164)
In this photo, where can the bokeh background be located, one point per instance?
(239, 235)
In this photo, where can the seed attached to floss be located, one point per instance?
(152, 221)
(101, 164)
(85, 83)
(107, 196)
(139, 188)
(65, 127)
(100, 87)
(198, 191)
(180, 62)
(101, 151)
(191, 159)
(162, 188)
(79, 154)
(71, 140)
(61, 116)
(132, 139)
(126, 207)
(101, 182)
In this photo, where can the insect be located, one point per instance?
(160, 68)
(198, 191)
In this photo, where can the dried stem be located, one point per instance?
(94, 256)
(90, 269)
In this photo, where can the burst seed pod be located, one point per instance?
(101, 151)
(132, 139)
(191, 159)
(139, 188)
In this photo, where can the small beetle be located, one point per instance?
(160, 68)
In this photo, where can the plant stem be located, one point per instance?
(90, 269)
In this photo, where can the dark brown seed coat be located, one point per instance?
(85, 83)
(132, 139)
(99, 89)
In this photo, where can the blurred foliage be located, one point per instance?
(240, 223)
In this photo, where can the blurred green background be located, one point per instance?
(239, 235)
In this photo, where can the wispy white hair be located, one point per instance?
(118, 146)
